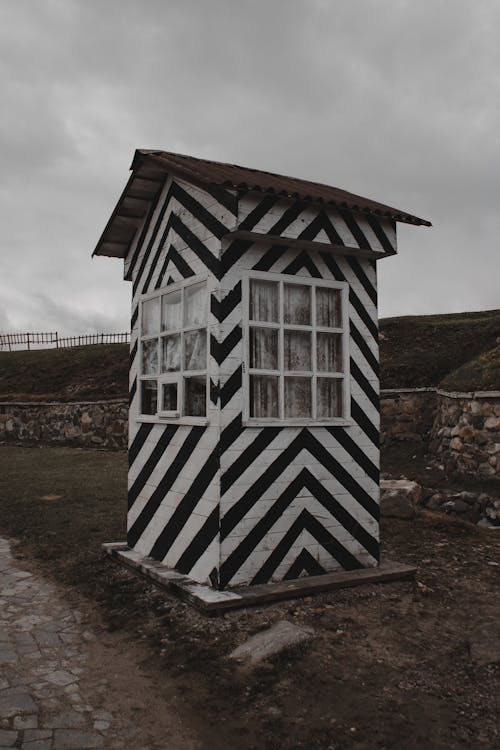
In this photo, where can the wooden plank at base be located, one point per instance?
(306, 586)
(267, 593)
(211, 601)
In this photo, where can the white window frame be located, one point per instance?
(313, 283)
(179, 377)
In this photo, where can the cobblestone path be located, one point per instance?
(51, 695)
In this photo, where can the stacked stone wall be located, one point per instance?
(462, 430)
(465, 437)
(407, 414)
(98, 424)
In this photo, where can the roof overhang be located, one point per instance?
(151, 168)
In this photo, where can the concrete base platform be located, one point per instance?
(210, 600)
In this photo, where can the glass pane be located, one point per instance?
(298, 397)
(171, 353)
(297, 304)
(149, 398)
(264, 348)
(169, 397)
(195, 304)
(264, 300)
(195, 350)
(150, 357)
(328, 307)
(329, 352)
(329, 397)
(264, 396)
(195, 397)
(150, 317)
(171, 311)
(297, 350)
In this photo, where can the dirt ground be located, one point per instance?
(389, 667)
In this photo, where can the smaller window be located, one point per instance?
(297, 348)
(174, 351)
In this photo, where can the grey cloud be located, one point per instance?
(396, 100)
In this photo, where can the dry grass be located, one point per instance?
(390, 661)
(82, 373)
(423, 350)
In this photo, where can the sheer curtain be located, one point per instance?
(264, 396)
(264, 300)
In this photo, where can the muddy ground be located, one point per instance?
(390, 666)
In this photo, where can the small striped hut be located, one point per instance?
(254, 410)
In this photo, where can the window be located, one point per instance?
(173, 356)
(297, 350)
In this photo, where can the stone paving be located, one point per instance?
(43, 646)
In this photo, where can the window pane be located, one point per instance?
(172, 311)
(264, 348)
(298, 397)
(264, 396)
(297, 304)
(329, 397)
(195, 350)
(297, 350)
(150, 317)
(169, 397)
(150, 357)
(329, 352)
(171, 353)
(148, 397)
(195, 304)
(195, 396)
(328, 307)
(264, 300)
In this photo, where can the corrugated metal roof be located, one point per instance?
(207, 172)
(150, 167)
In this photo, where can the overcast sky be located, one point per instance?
(397, 100)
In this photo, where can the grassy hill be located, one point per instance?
(82, 373)
(429, 350)
(458, 352)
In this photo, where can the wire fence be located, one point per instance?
(10, 341)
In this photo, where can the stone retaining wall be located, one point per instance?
(406, 414)
(97, 423)
(462, 429)
(465, 436)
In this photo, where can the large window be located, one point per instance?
(173, 355)
(297, 349)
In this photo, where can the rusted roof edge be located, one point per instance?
(351, 200)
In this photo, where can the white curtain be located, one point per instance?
(150, 357)
(297, 349)
(195, 350)
(329, 397)
(171, 353)
(172, 311)
(264, 300)
(264, 396)
(297, 304)
(264, 348)
(297, 397)
(329, 352)
(328, 307)
(150, 317)
(195, 304)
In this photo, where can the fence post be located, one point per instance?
(28, 340)
(57, 340)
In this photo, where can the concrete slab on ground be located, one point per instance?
(273, 640)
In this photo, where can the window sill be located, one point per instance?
(192, 421)
(339, 422)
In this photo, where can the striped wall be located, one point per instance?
(234, 504)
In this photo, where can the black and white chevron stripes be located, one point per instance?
(237, 504)
(340, 227)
